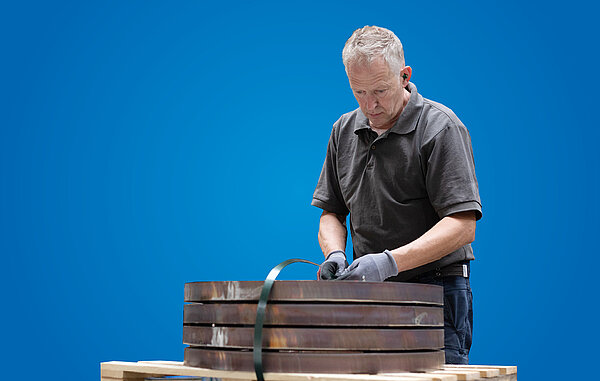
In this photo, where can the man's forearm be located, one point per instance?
(449, 234)
(332, 232)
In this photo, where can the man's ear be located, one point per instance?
(405, 75)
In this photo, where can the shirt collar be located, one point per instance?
(407, 121)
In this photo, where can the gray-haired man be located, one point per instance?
(402, 167)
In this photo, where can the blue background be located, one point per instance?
(145, 144)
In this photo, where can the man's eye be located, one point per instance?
(380, 91)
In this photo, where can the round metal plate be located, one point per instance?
(317, 338)
(365, 315)
(315, 362)
(315, 326)
(311, 290)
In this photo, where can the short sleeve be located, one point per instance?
(450, 172)
(328, 195)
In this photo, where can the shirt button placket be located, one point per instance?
(370, 157)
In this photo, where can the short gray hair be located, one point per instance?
(371, 42)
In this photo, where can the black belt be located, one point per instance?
(455, 269)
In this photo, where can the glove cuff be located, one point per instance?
(335, 252)
(393, 262)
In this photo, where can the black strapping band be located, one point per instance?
(260, 313)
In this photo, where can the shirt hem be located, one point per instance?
(462, 207)
(328, 207)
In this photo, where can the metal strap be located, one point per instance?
(260, 313)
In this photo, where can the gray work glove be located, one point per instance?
(334, 265)
(371, 267)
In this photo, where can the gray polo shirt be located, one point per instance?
(396, 186)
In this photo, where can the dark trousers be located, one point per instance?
(458, 315)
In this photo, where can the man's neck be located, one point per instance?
(380, 130)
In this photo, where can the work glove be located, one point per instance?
(334, 265)
(371, 267)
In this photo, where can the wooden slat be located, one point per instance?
(161, 362)
(120, 374)
(341, 377)
(483, 372)
(461, 375)
(504, 370)
(424, 376)
(130, 371)
(180, 370)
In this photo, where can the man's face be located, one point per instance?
(379, 92)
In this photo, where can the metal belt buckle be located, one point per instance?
(465, 272)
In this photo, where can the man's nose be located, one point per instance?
(371, 102)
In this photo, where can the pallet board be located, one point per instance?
(130, 371)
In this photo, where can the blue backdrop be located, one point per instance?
(145, 144)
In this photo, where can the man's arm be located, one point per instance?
(332, 232)
(449, 234)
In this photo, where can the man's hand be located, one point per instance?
(334, 265)
(371, 267)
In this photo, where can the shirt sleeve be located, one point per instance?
(328, 195)
(450, 172)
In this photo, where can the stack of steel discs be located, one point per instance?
(316, 326)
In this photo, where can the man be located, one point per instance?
(402, 167)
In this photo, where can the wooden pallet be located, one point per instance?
(138, 371)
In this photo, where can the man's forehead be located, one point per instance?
(376, 68)
(377, 64)
(364, 75)
(367, 82)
